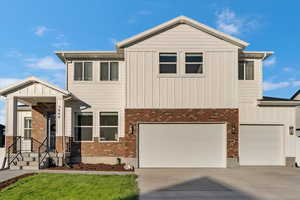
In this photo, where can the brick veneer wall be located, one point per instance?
(126, 147)
(38, 127)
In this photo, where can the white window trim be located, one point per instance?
(118, 126)
(108, 81)
(75, 126)
(194, 75)
(81, 81)
(244, 66)
(169, 75)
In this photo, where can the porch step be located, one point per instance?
(29, 161)
(30, 167)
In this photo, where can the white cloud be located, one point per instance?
(40, 30)
(273, 86)
(47, 62)
(270, 62)
(113, 41)
(288, 69)
(14, 53)
(228, 22)
(4, 82)
(60, 44)
(296, 83)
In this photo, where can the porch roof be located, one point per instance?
(29, 81)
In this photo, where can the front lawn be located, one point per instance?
(72, 187)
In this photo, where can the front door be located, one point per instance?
(51, 131)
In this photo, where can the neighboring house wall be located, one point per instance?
(216, 88)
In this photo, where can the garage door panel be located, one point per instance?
(261, 145)
(182, 145)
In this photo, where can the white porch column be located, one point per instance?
(11, 116)
(68, 121)
(60, 116)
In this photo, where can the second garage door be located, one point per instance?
(182, 145)
(261, 145)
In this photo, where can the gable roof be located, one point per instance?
(295, 95)
(30, 80)
(181, 20)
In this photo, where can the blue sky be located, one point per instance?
(32, 30)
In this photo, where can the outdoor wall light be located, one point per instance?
(291, 130)
(131, 129)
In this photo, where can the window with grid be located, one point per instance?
(109, 123)
(83, 71)
(84, 126)
(109, 71)
(193, 63)
(246, 70)
(27, 128)
(168, 63)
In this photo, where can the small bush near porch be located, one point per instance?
(72, 187)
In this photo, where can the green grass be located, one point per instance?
(72, 187)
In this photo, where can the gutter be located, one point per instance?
(279, 103)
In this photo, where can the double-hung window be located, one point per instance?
(83, 71)
(109, 71)
(84, 126)
(27, 128)
(193, 63)
(246, 70)
(109, 123)
(168, 63)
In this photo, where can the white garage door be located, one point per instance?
(261, 145)
(182, 145)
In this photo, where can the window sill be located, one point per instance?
(193, 75)
(84, 141)
(168, 76)
(100, 141)
(109, 82)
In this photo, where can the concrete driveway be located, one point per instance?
(253, 183)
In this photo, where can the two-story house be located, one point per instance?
(181, 94)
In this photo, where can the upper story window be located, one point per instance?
(193, 63)
(109, 71)
(83, 71)
(84, 126)
(246, 70)
(168, 63)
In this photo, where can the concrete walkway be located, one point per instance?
(253, 183)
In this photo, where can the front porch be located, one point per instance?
(35, 120)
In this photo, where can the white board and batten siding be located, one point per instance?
(252, 90)
(216, 88)
(100, 96)
(35, 90)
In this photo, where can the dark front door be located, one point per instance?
(51, 131)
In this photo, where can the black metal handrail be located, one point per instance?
(45, 145)
(14, 150)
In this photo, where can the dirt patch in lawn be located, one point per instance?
(93, 167)
(13, 180)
